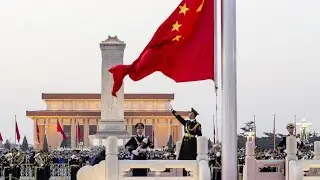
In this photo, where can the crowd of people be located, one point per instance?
(85, 157)
(137, 148)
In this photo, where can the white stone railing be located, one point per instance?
(294, 169)
(114, 169)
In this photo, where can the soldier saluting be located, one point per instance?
(192, 129)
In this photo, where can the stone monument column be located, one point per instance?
(112, 108)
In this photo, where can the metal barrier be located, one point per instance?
(57, 171)
(63, 172)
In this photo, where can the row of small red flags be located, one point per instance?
(59, 129)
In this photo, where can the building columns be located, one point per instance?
(154, 122)
(35, 134)
(129, 126)
(85, 133)
(73, 134)
(169, 127)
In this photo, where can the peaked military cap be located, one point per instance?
(194, 112)
(290, 125)
(139, 125)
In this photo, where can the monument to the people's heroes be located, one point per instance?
(112, 108)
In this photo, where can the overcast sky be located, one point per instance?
(53, 47)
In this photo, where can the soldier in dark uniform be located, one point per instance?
(75, 165)
(137, 146)
(192, 129)
(283, 143)
(98, 158)
(217, 164)
(41, 169)
(7, 165)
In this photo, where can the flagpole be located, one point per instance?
(229, 91)
(215, 118)
(255, 129)
(274, 132)
(214, 131)
(295, 125)
(15, 130)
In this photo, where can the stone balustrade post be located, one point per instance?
(112, 162)
(202, 158)
(178, 147)
(291, 150)
(249, 169)
(316, 150)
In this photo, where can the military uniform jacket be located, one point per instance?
(283, 144)
(135, 142)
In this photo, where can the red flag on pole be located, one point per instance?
(1, 139)
(17, 132)
(182, 48)
(38, 132)
(60, 130)
(79, 134)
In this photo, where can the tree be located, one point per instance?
(63, 144)
(170, 143)
(210, 145)
(7, 145)
(24, 145)
(45, 143)
(248, 127)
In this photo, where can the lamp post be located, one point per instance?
(304, 130)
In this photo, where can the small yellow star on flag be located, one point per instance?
(183, 9)
(176, 26)
(177, 38)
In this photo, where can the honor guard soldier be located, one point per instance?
(7, 165)
(192, 129)
(98, 158)
(75, 165)
(137, 146)
(283, 143)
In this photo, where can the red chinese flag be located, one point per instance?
(182, 48)
(17, 132)
(60, 130)
(1, 139)
(38, 133)
(79, 133)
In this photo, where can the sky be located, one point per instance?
(53, 47)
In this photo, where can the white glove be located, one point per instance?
(135, 152)
(285, 151)
(170, 107)
(218, 154)
(145, 140)
(299, 140)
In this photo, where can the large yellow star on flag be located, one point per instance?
(177, 38)
(200, 7)
(176, 26)
(183, 9)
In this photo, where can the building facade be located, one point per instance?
(83, 111)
